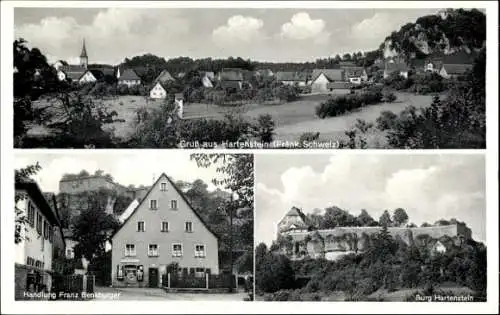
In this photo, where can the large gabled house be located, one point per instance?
(320, 79)
(163, 229)
(34, 253)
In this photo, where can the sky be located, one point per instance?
(111, 34)
(126, 168)
(428, 187)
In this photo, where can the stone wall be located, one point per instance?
(345, 239)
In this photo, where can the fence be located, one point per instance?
(207, 281)
(71, 286)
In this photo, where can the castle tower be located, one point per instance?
(84, 59)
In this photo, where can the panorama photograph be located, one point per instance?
(397, 228)
(91, 228)
(249, 78)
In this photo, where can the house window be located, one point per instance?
(31, 214)
(199, 251)
(153, 204)
(141, 226)
(70, 253)
(45, 229)
(164, 226)
(199, 272)
(153, 250)
(39, 223)
(189, 227)
(177, 250)
(163, 186)
(173, 204)
(130, 250)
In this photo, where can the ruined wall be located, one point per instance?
(345, 239)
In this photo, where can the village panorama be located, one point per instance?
(421, 86)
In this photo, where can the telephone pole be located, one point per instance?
(231, 243)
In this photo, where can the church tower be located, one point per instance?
(84, 59)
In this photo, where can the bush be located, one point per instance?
(264, 129)
(389, 97)
(339, 105)
(386, 120)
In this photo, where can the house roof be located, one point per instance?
(164, 76)
(127, 212)
(265, 72)
(353, 71)
(460, 57)
(230, 84)
(330, 74)
(84, 51)
(104, 71)
(73, 72)
(182, 196)
(291, 76)
(396, 66)
(129, 74)
(231, 75)
(39, 198)
(98, 74)
(347, 63)
(457, 68)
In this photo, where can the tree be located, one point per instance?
(385, 219)
(364, 219)
(273, 272)
(236, 171)
(264, 128)
(93, 226)
(400, 217)
(425, 224)
(20, 176)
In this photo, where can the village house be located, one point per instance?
(292, 78)
(207, 79)
(395, 65)
(34, 253)
(163, 229)
(355, 75)
(320, 79)
(129, 78)
(159, 91)
(231, 79)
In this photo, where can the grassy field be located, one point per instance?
(292, 119)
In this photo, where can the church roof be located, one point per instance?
(84, 51)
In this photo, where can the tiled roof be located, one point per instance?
(231, 75)
(231, 84)
(330, 74)
(73, 72)
(129, 74)
(338, 85)
(164, 77)
(353, 71)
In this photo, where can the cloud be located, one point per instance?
(302, 27)
(238, 29)
(428, 188)
(112, 34)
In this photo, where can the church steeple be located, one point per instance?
(84, 59)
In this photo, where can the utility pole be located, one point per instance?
(231, 242)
